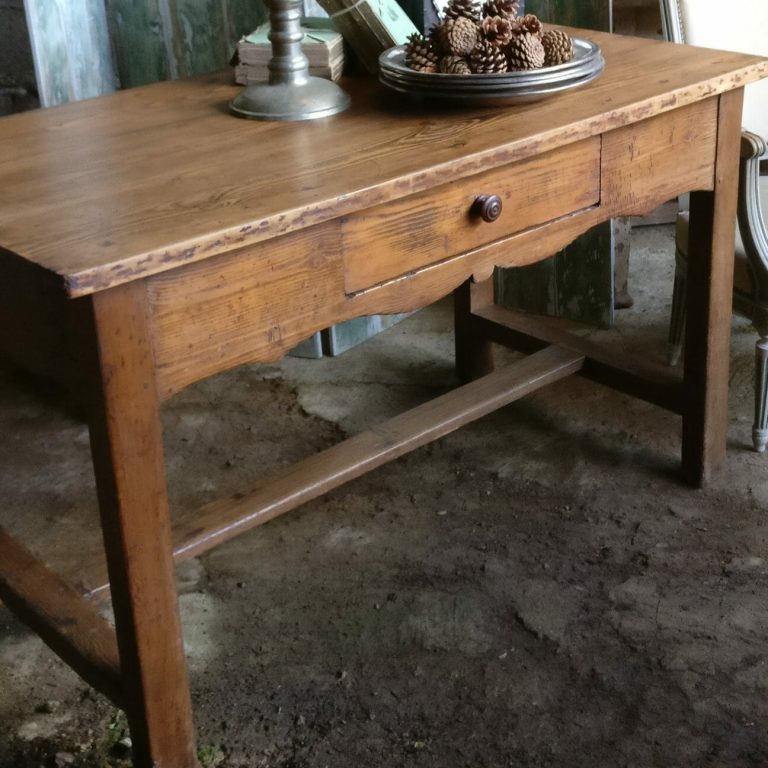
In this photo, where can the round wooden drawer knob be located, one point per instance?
(487, 207)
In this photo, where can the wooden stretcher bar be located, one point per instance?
(652, 382)
(64, 619)
(219, 521)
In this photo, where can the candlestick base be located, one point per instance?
(316, 97)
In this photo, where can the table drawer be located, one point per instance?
(395, 238)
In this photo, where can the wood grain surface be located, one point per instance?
(68, 624)
(424, 228)
(127, 450)
(135, 183)
(254, 304)
(709, 284)
(193, 242)
(198, 530)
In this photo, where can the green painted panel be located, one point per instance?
(244, 16)
(70, 48)
(138, 32)
(531, 289)
(165, 39)
(590, 14)
(199, 35)
(577, 283)
(585, 278)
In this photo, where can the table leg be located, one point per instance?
(710, 289)
(126, 442)
(474, 354)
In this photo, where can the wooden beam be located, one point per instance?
(222, 520)
(657, 384)
(64, 620)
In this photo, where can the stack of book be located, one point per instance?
(323, 45)
(370, 26)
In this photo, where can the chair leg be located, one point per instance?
(760, 428)
(677, 319)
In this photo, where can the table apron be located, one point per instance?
(255, 304)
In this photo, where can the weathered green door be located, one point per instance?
(71, 49)
(89, 47)
(590, 14)
(164, 39)
(578, 282)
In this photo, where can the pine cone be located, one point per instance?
(457, 37)
(466, 8)
(487, 58)
(420, 55)
(507, 9)
(525, 52)
(454, 65)
(558, 47)
(496, 30)
(528, 23)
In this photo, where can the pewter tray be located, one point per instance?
(494, 88)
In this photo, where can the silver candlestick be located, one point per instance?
(290, 93)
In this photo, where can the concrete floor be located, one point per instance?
(537, 589)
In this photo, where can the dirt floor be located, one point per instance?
(537, 589)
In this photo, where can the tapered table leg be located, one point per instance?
(710, 288)
(126, 442)
(474, 354)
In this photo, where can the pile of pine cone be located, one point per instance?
(491, 38)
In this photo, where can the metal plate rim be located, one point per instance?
(393, 61)
(595, 67)
(492, 96)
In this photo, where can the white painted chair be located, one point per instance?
(739, 25)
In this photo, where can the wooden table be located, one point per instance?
(150, 240)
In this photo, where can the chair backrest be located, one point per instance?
(738, 25)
